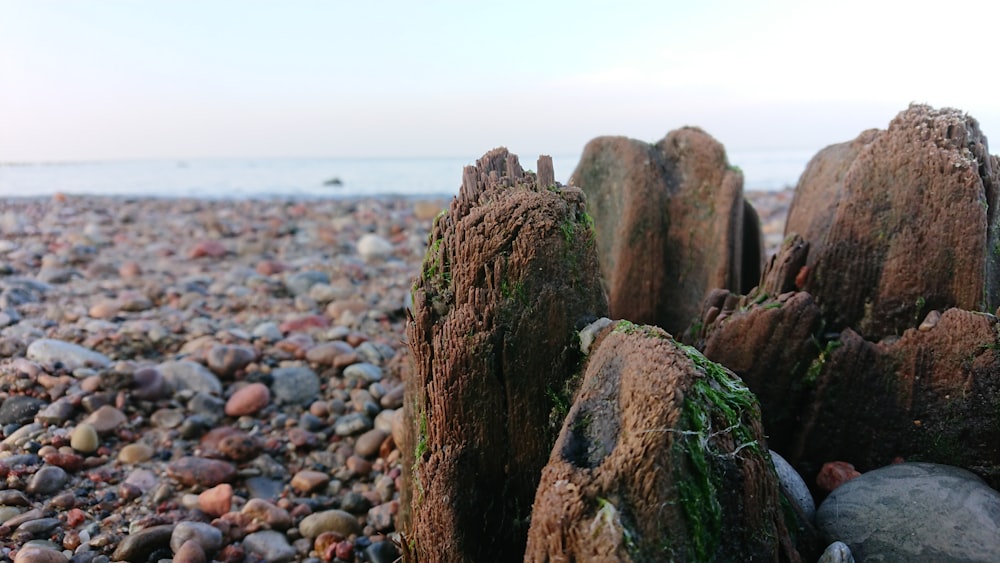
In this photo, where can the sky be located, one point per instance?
(125, 79)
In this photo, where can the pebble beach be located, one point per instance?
(204, 380)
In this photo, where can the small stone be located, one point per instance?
(380, 516)
(65, 460)
(382, 552)
(39, 527)
(191, 470)
(240, 446)
(12, 497)
(248, 400)
(836, 552)
(919, 512)
(71, 356)
(834, 474)
(351, 424)
(207, 249)
(367, 444)
(84, 438)
(216, 501)
(135, 453)
(269, 546)
(268, 331)
(338, 521)
(205, 535)
(226, 360)
(326, 353)
(295, 385)
(129, 270)
(355, 503)
(167, 418)
(300, 283)
(363, 371)
(795, 485)
(372, 247)
(358, 465)
(187, 375)
(304, 323)
(271, 516)
(56, 413)
(104, 309)
(150, 385)
(38, 554)
(140, 545)
(930, 321)
(106, 419)
(307, 481)
(190, 552)
(19, 409)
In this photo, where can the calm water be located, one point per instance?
(304, 177)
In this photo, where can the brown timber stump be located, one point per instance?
(510, 275)
(661, 458)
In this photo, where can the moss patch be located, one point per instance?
(717, 404)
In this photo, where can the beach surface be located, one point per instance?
(222, 377)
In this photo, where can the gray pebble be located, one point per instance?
(382, 552)
(301, 282)
(836, 552)
(269, 546)
(140, 545)
(363, 371)
(47, 480)
(56, 413)
(19, 409)
(297, 385)
(207, 536)
(917, 512)
(71, 356)
(796, 487)
(40, 527)
(268, 331)
(351, 424)
(209, 406)
(187, 375)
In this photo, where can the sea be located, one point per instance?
(305, 178)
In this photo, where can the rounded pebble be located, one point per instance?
(205, 535)
(270, 546)
(47, 480)
(135, 453)
(216, 501)
(338, 521)
(295, 385)
(248, 400)
(84, 438)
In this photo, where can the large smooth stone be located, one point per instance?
(914, 512)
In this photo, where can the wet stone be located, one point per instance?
(269, 546)
(38, 554)
(190, 470)
(337, 521)
(19, 409)
(382, 552)
(140, 545)
(363, 371)
(70, 356)
(106, 419)
(295, 385)
(351, 424)
(205, 535)
(47, 480)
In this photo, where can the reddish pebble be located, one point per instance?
(68, 462)
(190, 470)
(190, 552)
(304, 323)
(275, 517)
(801, 277)
(345, 550)
(834, 474)
(129, 270)
(207, 248)
(358, 465)
(307, 481)
(248, 400)
(240, 447)
(216, 501)
(75, 517)
(302, 438)
(270, 267)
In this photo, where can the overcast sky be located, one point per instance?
(246, 78)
